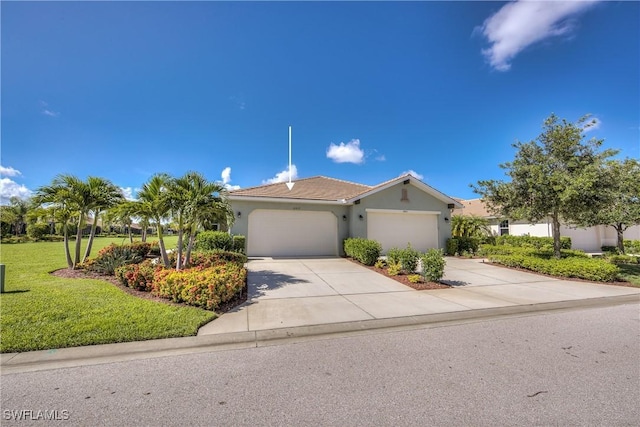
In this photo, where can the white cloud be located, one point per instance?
(592, 124)
(226, 179)
(9, 171)
(10, 188)
(519, 24)
(283, 176)
(128, 192)
(346, 153)
(414, 173)
(46, 111)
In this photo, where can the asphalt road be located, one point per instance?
(570, 368)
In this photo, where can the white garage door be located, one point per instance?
(292, 233)
(395, 229)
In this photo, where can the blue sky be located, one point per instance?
(123, 90)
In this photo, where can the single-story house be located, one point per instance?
(589, 239)
(319, 213)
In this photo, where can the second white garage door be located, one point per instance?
(284, 233)
(395, 229)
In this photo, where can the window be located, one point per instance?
(504, 227)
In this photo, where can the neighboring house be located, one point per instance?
(318, 213)
(589, 239)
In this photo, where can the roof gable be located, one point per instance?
(319, 188)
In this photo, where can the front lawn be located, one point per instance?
(40, 311)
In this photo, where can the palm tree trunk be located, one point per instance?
(92, 234)
(130, 235)
(163, 251)
(76, 261)
(66, 245)
(180, 238)
(192, 239)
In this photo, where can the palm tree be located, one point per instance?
(102, 195)
(16, 214)
(154, 203)
(469, 226)
(208, 203)
(63, 196)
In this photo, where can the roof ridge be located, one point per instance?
(343, 180)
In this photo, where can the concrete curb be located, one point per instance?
(118, 352)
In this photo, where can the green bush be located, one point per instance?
(452, 246)
(532, 241)
(210, 258)
(409, 259)
(468, 244)
(38, 230)
(239, 243)
(201, 287)
(632, 246)
(113, 256)
(623, 259)
(364, 250)
(577, 267)
(609, 249)
(210, 240)
(432, 265)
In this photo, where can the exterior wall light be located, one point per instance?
(239, 214)
(446, 219)
(344, 217)
(361, 217)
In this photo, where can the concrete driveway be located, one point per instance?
(285, 293)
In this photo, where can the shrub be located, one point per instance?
(432, 265)
(239, 243)
(113, 256)
(201, 287)
(394, 268)
(609, 249)
(578, 267)
(409, 259)
(154, 249)
(138, 276)
(364, 250)
(623, 259)
(210, 240)
(468, 244)
(210, 258)
(38, 230)
(632, 246)
(452, 246)
(380, 263)
(414, 278)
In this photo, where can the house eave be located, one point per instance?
(342, 202)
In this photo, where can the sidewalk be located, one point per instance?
(294, 300)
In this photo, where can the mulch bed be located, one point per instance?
(67, 273)
(404, 279)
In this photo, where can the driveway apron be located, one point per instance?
(295, 292)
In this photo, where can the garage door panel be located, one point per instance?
(292, 233)
(397, 229)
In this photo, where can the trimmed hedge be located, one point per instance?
(211, 258)
(623, 259)
(571, 267)
(239, 243)
(210, 240)
(364, 250)
(532, 241)
(200, 287)
(632, 246)
(545, 252)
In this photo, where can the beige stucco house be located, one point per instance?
(318, 213)
(589, 239)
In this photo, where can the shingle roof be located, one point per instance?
(314, 188)
(473, 207)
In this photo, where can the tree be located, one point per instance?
(154, 203)
(620, 199)
(469, 226)
(557, 176)
(16, 214)
(60, 196)
(102, 195)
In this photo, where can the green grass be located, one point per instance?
(630, 273)
(39, 311)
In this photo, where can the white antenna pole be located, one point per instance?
(290, 184)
